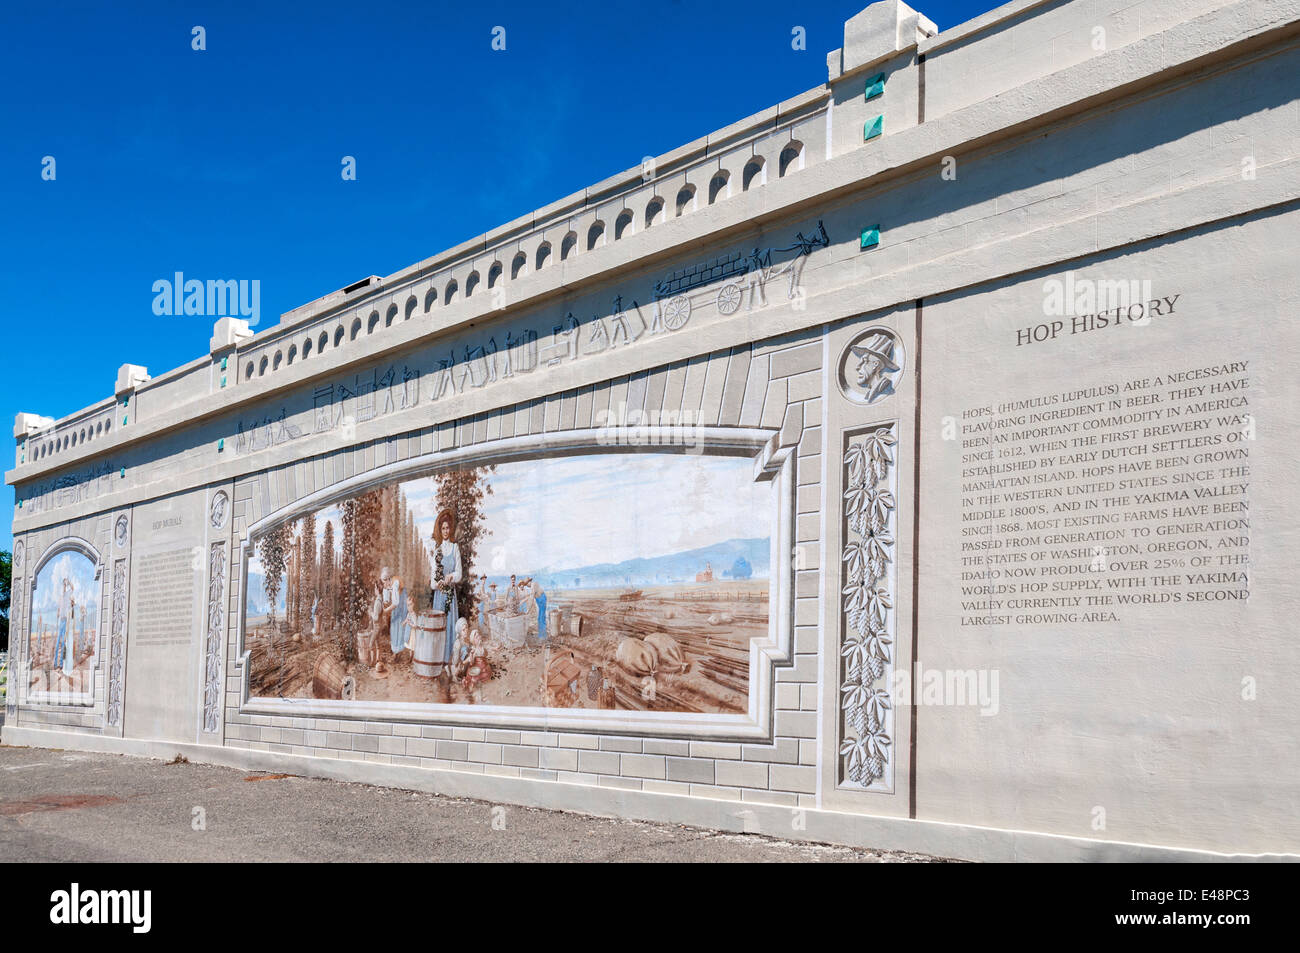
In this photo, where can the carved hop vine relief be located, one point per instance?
(216, 626)
(869, 507)
(118, 635)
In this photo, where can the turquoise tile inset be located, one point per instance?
(873, 128)
(876, 86)
(870, 237)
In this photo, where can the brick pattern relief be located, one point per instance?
(775, 385)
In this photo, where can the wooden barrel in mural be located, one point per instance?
(429, 638)
(327, 677)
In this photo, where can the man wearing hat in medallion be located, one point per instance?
(875, 363)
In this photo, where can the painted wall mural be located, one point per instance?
(599, 580)
(63, 637)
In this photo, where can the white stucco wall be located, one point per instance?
(1169, 155)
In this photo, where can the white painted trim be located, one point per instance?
(76, 543)
(984, 23)
(76, 703)
(824, 505)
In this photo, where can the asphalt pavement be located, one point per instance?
(59, 806)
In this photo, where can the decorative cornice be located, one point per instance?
(1017, 112)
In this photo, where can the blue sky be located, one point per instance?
(226, 163)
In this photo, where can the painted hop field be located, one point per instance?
(699, 661)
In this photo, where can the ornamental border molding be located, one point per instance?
(216, 625)
(116, 643)
(17, 642)
(868, 587)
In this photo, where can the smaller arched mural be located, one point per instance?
(63, 635)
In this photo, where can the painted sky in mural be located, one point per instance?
(555, 517)
(80, 572)
(572, 512)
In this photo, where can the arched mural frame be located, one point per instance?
(772, 463)
(57, 701)
(76, 543)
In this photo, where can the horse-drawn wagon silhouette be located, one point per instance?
(737, 272)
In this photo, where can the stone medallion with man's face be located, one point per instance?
(220, 506)
(871, 366)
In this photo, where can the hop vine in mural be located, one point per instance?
(273, 549)
(869, 507)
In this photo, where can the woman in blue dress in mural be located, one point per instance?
(539, 596)
(63, 651)
(447, 574)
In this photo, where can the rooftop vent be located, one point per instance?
(363, 283)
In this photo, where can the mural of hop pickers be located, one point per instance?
(869, 506)
(615, 581)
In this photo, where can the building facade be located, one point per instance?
(905, 465)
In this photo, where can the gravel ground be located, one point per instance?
(64, 806)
